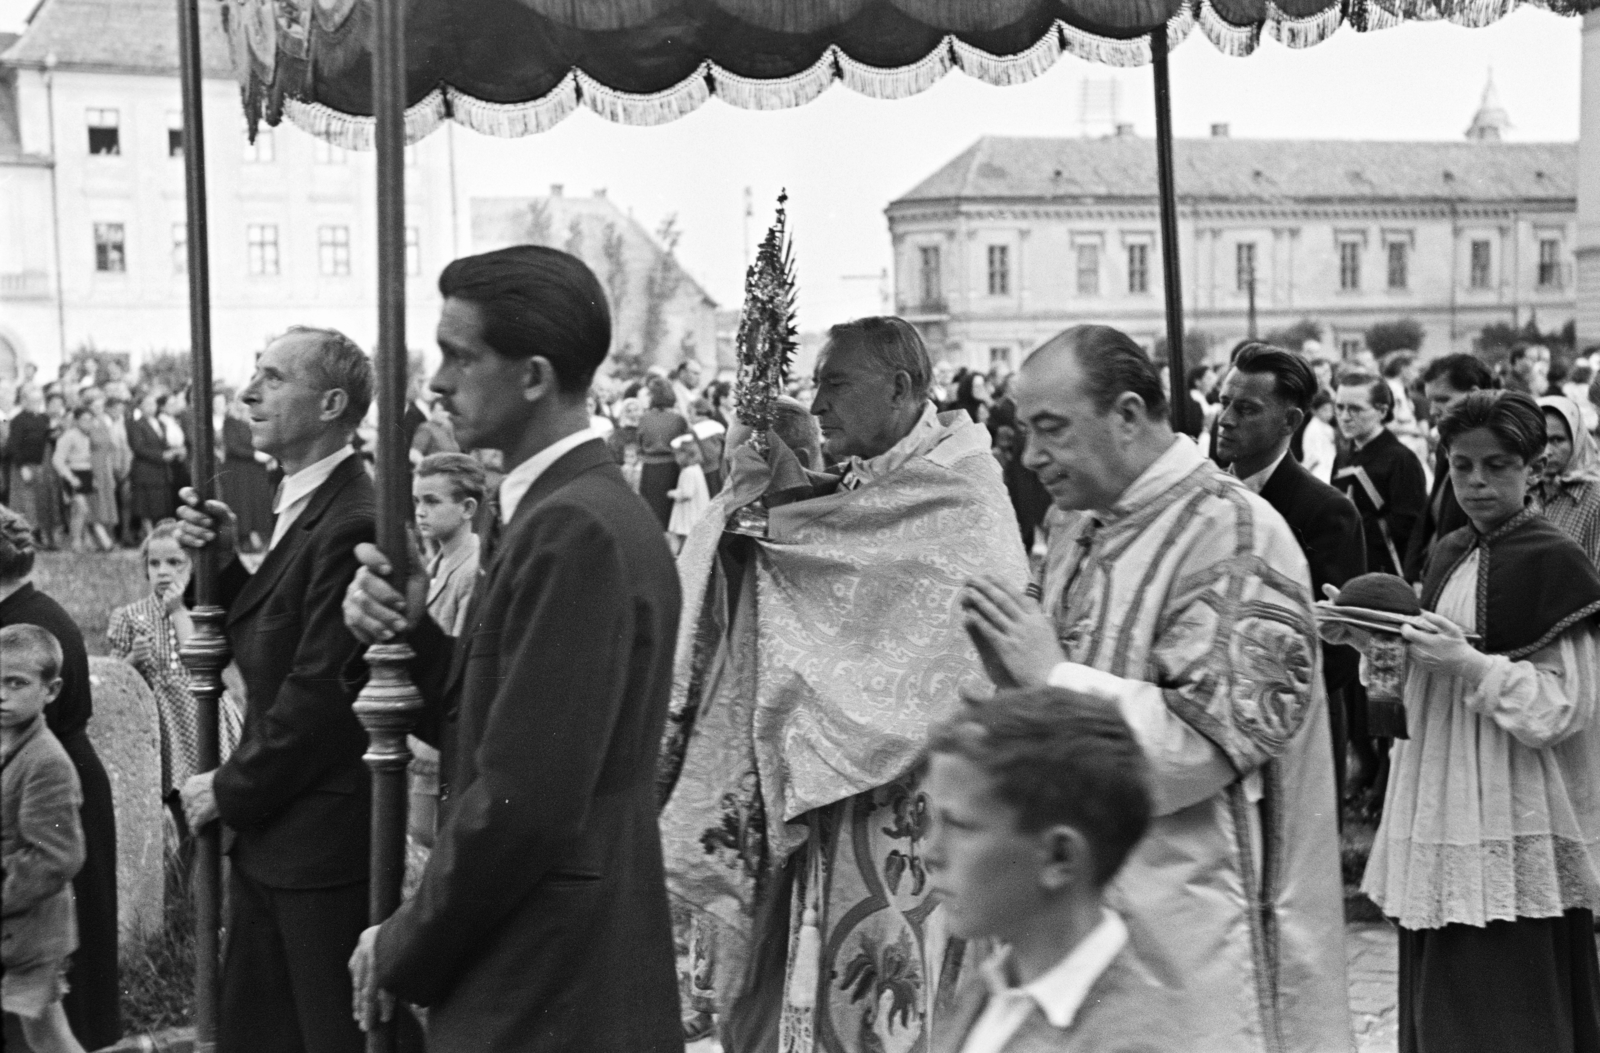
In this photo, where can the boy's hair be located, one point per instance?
(40, 643)
(1058, 759)
(466, 475)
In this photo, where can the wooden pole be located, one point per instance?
(206, 653)
(389, 703)
(1172, 279)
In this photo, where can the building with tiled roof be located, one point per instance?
(1015, 239)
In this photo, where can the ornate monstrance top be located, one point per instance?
(766, 329)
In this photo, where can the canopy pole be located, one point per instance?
(389, 703)
(206, 653)
(1172, 279)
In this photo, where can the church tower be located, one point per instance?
(1491, 119)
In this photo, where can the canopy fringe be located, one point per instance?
(878, 83)
(1006, 70)
(356, 133)
(661, 107)
(753, 93)
(1228, 38)
(1108, 52)
(510, 119)
(1303, 32)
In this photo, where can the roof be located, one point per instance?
(130, 36)
(1254, 170)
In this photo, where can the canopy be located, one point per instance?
(517, 67)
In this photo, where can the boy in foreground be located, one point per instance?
(42, 842)
(1035, 799)
(446, 492)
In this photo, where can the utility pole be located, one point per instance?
(749, 210)
(1250, 290)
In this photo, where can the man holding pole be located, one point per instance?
(295, 793)
(541, 920)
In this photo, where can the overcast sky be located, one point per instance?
(844, 157)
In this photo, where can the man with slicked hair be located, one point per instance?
(541, 922)
(295, 793)
(1175, 594)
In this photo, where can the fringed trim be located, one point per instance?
(1006, 70)
(1473, 14)
(356, 133)
(661, 107)
(510, 119)
(1237, 41)
(878, 83)
(1303, 32)
(752, 93)
(1092, 47)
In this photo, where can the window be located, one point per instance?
(1349, 346)
(931, 277)
(999, 356)
(174, 135)
(333, 250)
(105, 133)
(1399, 265)
(1549, 263)
(1244, 265)
(325, 153)
(1138, 268)
(1088, 270)
(262, 151)
(110, 254)
(999, 270)
(1478, 273)
(180, 248)
(262, 239)
(413, 252)
(1349, 265)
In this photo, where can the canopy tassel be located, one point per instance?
(508, 120)
(1237, 41)
(1303, 32)
(350, 132)
(1006, 70)
(752, 93)
(902, 82)
(661, 107)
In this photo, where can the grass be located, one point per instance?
(90, 586)
(158, 975)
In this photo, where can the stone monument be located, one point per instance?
(126, 732)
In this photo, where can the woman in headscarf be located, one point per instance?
(1569, 492)
(1488, 856)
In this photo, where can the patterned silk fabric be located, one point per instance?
(801, 702)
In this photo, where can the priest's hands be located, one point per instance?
(1013, 635)
(374, 610)
(370, 1005)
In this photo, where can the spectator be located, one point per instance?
(1530, 369)
(973, 397)
(1576, 388)
(74, 464)
(150, 479)
(105, 465)
(658, 426)
(629, 412)
(1319, 441)
(92, 1000)
(43, 841)
(686, 387)
(446, 491)
(27, 449)
(435, 435)
(1568, 492)
(1447, 380)
(243, 484)
(690, 497)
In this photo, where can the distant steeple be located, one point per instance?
(1491, 119)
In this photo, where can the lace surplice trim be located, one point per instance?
(1428, 886)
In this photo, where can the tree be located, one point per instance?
(661, 284)
(574, 243)
(1405, 334)
(165, 369)
(537, 225)
(1494, 342)
(1294, 336)
(614, 250)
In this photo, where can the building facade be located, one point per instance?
(1017, 239)
(93, 231)
(1588, 255)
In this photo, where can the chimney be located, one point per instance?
(600, 192)
(1219, 130)
(555, 189)
(1125, 131)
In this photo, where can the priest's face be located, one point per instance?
(1080, 453)
(860, 407)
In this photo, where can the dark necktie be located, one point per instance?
(489, 530)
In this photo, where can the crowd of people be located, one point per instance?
(1012, 724)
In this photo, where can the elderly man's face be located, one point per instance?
(856, 402)
(285, 404)
(1076, 451)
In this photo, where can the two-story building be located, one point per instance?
(1016, 239)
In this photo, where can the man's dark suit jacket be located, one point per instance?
(1328, 527)
(295, 791)
(541, 923)
(1443, 515)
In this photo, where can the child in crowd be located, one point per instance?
(691, 497)
(446, 493)
(43, 841)
(632, 467)
(74, 463)
(1035, 798)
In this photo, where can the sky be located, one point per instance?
(844, 157)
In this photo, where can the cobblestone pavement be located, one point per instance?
(1372, 952)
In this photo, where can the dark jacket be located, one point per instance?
(541, 922)
(1328, 529)
(295, 790)
(29, 438)
(1401, 493)
(1442, 515)
(42, 849)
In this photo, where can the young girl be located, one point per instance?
(691, 497)
(1488, 855)
(148, 634)
(74, 463)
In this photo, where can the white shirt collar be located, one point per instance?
(1256, 482)
(865, 471)
(520, 478)
(302, 484)
(1060, 992)
(1181, 458)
